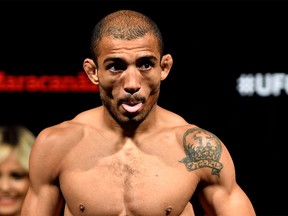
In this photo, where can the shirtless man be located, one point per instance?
(130, 156)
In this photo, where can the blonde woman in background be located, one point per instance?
(15, 146)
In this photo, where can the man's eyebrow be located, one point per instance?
(149, 57)
(118, 59)
(114, 59)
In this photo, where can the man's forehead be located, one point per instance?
(111, 45)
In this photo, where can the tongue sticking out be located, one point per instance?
(133, 108)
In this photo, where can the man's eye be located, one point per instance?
(145, 66)
(116, 67)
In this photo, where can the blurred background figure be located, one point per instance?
(15, 146)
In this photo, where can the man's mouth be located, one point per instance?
(132, 107)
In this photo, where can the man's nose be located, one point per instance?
(132, 80)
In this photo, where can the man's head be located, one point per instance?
(128, 65)
(125, 25)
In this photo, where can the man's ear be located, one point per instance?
(91, 70)
(92, 73)
(166, 65)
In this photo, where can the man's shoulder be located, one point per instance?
(61, 133)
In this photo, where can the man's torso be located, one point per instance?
(112, 176)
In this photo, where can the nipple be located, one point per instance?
(168, 210)
(82, 207)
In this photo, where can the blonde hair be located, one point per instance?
(19, 139)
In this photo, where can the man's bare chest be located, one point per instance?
(128, 180)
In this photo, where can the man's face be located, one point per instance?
(129, 76)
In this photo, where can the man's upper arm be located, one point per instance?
(45, 202)
(221, 195)
(44, 196)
